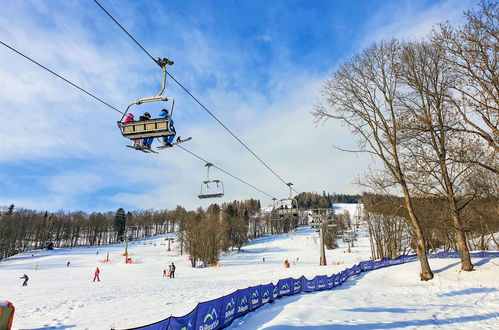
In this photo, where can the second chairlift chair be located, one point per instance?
(206, 191)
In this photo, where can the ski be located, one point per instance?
(175, 143)
(145, 150)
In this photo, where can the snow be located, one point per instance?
(136, 294)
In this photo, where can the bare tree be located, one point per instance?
(472, 52)
(362, 94)
(428, 117)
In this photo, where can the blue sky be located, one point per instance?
(257, 65)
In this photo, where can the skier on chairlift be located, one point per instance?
(146, 143)
(129, 119)
(168, 140)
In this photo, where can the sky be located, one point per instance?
(256, 65)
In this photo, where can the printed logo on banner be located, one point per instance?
(336, 280)
(254, 298)
(296, 286)
(321, 284)
(243, 305)
(230, 308)
(266, 296)
(330, 282)
(284, 289)
(311, 285)
(212, 318)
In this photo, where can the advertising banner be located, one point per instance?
(210, 314)
(229, 308)
(185, 322)
(255, 297)
(309, 285)
(266, 292)
(297, 285)
(320, 282)
(242, 302)
(330, 282)
(285, 287)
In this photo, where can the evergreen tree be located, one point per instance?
(120, 224)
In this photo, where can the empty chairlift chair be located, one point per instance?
(211, 188)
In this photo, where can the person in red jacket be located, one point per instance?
(128, 119)
(96, 274)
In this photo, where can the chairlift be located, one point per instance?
(152, 128)
(208, 191)
(288, 206)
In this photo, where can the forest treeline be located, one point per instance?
(387, 221)
(203, 234)
(309, 200)
(428, 112)
(24, 229)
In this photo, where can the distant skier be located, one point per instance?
(26, 278)
(172, 270)
(164, 272)
(67, 265)
(96, 274)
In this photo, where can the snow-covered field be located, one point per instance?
(136, 294)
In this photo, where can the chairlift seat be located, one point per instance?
(152, 128)
(204, 192)
(210, 196)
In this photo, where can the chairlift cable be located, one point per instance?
(59, 76)
(193, 97)
(221, 170)
(110, 106)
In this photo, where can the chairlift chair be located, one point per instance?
(283, 208)
(206, 191)
(153, 128)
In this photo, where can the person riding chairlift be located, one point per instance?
(146, 143)
(128, 119)
(167, 140)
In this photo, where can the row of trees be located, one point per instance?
(386, 219)
(23, 229)
(429, 112)
(203, 234)
(313, 200)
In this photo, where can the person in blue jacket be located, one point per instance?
(167, 140)
(146, 143)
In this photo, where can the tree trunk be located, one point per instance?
(426, 273)
(466, 264)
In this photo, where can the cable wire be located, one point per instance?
(110, 106)
(221, 170)
(59, 76)
(194, 98)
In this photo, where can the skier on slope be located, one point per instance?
(96, 274)
(26, 278)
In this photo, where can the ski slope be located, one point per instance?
(130, 295)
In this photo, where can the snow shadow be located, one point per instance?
(468, 291)
(449, 266)
(391, 325)
(482, 262)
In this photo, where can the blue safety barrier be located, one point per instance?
(221, 312)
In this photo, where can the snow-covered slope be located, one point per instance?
(136, 294)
